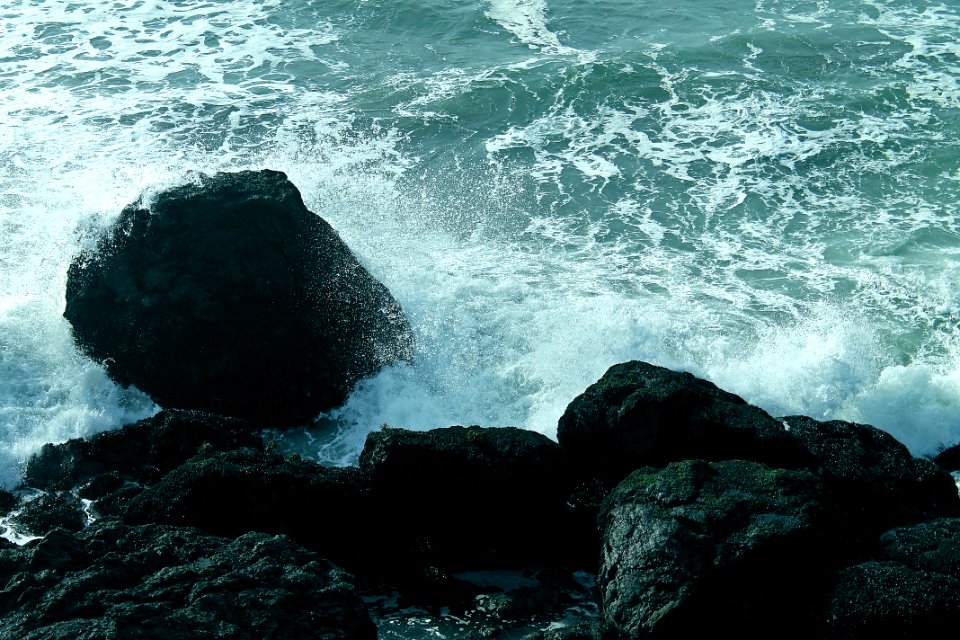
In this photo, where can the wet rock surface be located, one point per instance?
(702, 545)
(838, 533)
(889, 600)
(639, 414)
(117, 581)
(458, 496)
(141, 452)
(227, 295)
(879, 483)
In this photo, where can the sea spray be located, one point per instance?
(761, 193)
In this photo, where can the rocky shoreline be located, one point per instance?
(188, 525)
(667, 507)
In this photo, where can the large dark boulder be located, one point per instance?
(227, 295)
(157, 582)
(874, 477)
(701, 546)
(640, 414)
(467, 497)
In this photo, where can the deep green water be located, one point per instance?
(761, 192)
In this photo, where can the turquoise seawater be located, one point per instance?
(761, 192)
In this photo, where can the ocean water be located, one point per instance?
(762, 192)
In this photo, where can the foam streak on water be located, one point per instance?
(761, 192)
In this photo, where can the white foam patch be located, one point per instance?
(527, 20)
(919, 404)
(931, 64)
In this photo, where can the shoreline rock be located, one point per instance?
(229, 296)
(714, 545)
(784, 543)
(152, 581)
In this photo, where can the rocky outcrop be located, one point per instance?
(42, 513)
(933, 546)
(874, 478)
(724, 545)
(795, 543)
(227, 295)
(949, 458)
(639, 414)
(115, 581)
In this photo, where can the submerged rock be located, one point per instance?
(227, 295)
(115, 581)
(700, 546)
(640, 414)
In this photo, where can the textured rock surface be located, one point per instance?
(932, 546)
(56, 509)
(875, 478)
(724, 545)
(140, 452)
(888, 600)
(639, 414)
(229, 493)
(686, 549)
(114, 581)
(227, 295)
(949, 458)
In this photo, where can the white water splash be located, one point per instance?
(527, 20)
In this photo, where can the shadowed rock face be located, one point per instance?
(457, 497)
(889, 600)
(699, 546)
(227, 295)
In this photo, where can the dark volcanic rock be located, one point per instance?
(48, 511)
(888, 600)
(702, 546)
(114, 581)
(879, 483)
(227, 295)
(467, 497)
(639, 414)
(141, 452)
(932, 546)
(229, 493)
